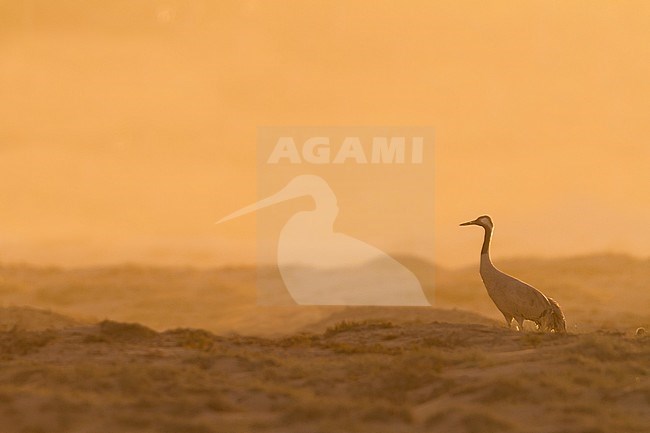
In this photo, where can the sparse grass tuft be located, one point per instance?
(197, 339)
(299, 340)
(604, 347)
(356, 348)
(348, 326)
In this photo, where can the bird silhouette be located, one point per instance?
(322, 267)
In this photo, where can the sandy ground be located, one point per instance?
(452, 368)
(371, 376)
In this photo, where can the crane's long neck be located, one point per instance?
(486, 241)
(485, 250)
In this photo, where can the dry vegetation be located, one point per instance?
(370, 376)
(288, 369)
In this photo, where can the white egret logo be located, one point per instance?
(321, 267)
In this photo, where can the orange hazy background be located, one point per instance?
(128, 128)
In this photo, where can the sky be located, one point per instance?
(129, 128)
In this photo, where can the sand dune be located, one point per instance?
(596, 292)
(370, 376)
(453, 367)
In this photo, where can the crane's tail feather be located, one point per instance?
(559, 322)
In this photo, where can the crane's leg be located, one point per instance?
(508, 319)
(520, 322)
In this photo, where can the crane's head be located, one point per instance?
(484, 221)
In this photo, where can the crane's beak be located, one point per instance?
(469, 223)
(282, 195)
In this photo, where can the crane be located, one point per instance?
(514, 298)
